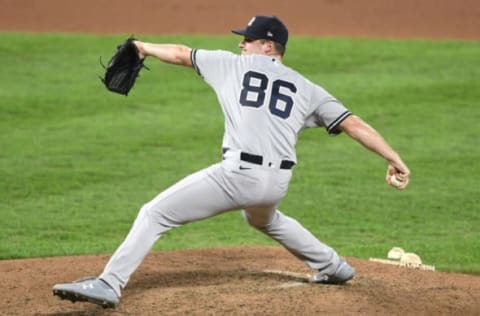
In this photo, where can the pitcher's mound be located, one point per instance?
(236, 281)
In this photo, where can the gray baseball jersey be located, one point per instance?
(266, 105)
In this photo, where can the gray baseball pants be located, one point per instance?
(229, 185)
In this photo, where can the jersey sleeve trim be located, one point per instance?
(193, 58)
(332, 128)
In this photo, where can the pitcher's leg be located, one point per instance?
(132, 251)
(196, 197)
(294, 237)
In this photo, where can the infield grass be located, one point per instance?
(77, 162)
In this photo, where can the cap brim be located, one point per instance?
(240, 32)
(245, 34)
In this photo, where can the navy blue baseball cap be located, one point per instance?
(265, 27)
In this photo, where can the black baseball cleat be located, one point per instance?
(91, 289)
(342, 275)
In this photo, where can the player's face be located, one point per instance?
(254, 46)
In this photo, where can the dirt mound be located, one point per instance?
(234, 281)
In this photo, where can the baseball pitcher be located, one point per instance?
(266, 105)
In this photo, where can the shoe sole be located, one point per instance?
(334, 280)
(330, 282)
(76, 297)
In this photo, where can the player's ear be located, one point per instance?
(270, 47)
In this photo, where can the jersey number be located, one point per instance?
(254, 86)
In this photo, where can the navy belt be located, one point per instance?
(258, 160)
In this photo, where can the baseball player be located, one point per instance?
(266, 105)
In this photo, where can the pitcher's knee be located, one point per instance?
(144, 211)
(258, 223)
(156, 214)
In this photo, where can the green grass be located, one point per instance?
(77, 162)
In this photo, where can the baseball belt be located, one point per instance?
(258, 160)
